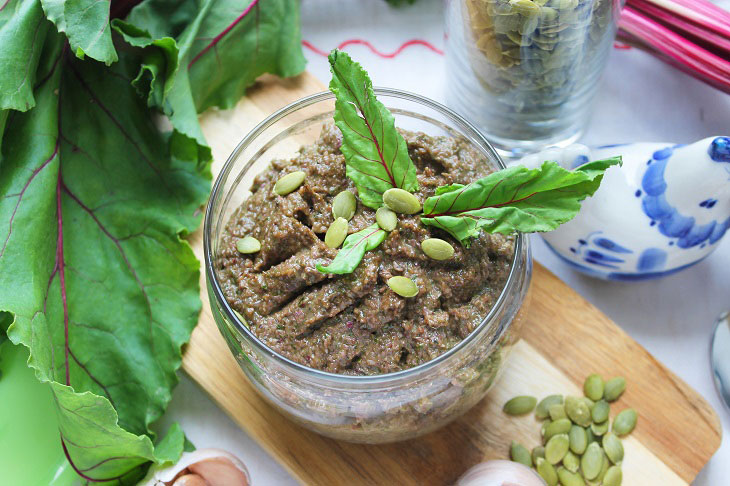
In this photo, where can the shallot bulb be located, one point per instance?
(500, 473)
(203, 467)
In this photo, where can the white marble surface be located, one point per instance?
(640, 99)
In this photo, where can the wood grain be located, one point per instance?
(563, 340)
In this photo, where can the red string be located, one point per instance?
(385, 55)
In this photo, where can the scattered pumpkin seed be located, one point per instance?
(571, 462)
(604, 467)
(519, 453)
(519, 405)
(543, 428)
(589, 403)
(590, 436)
(556, 448)
(386, 218)
(247, 245)
(593, 387)
(289, 182)
(578, 411)
(613, 447)
(592, 461)
(600, 411)
(403, 286)
(624, 422)
(614, 388)
(547, 471)
(437, 248)
(336, 233)
(344, 205)
(401, 201)
(578, 439)
(599, 429)
(568, 478)
(560, 426)
(613, 476)
(537, 453)
(557, 411)
(543, 408)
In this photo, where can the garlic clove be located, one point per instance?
(214, 467)
(220, 471)
(190, 480)
(500, 473)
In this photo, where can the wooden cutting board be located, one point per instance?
(563, 340)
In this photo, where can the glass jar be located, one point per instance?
(525, 71)
(369, 409)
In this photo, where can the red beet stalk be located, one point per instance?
(692, 35)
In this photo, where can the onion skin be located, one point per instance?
(500, 473)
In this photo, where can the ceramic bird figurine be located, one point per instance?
(665, 209)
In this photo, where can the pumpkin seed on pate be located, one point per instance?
(289, 182)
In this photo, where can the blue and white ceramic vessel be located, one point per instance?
(664, 210)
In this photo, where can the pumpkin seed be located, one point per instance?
(519, 453)
(247, 245)
(614, 388)
(403, 286)
(568, 478)
(526, 7)
(578, 411)
(386, 218)
(556, 448)
(519, 405)
(401, 201)
(560, 426)
(543, 428)
(624, 422)
(289, 183)
(592, 461)
(593, 387)
(336, 233)
(543, 408)
(613, 447)
(578, 439)
(437, 249)
(547, 472)
(590, 436)
(599, 412)
(604, 467)
(344, 205)
(240, 317)
(557, 411)
(537, 453)
(589, 403)
(613, 476)
(571, 462)
(599, 429)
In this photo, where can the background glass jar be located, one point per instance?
(525, 71)
(367, 409)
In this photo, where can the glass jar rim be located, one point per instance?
(465, 128)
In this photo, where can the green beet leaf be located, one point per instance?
(375, 153)
(226, 44)
(22, 31)
(514, 199)
(100, 286)
(353, 250)
(86, 25)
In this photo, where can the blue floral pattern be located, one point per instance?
(668, 219)
(593, 249)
